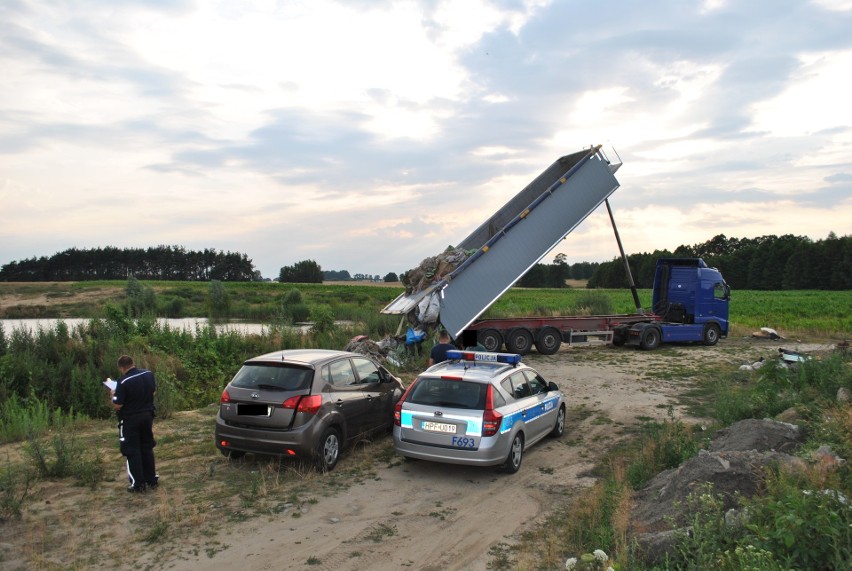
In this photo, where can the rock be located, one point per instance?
(843, 395)
(760, 435)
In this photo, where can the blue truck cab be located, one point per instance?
(690, 302)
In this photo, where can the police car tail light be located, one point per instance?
(397, 409)
(225, 397)
(309, 404)
(491, 419)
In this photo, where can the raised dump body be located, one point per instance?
(517, 236)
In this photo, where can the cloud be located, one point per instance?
(370, 135)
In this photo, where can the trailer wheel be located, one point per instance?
(650, 339)
(711, 334)
(491, 340)
(519, 341)
(549, 340)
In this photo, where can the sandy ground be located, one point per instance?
(407, 515)
(425, 516)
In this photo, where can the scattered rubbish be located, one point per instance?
(767, 333)
(752, 366)
(792, 357)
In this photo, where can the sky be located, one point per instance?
(369, 135)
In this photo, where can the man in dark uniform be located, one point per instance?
(133, 399)
(439, 351)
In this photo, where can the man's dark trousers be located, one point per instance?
(136, 442)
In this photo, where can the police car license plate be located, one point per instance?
(439, 427)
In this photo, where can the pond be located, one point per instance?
(186, 323)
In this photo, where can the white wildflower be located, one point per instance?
(571, 562)
(600, 555)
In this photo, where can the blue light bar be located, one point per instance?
(507, 358)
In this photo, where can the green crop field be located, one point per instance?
(809, 312)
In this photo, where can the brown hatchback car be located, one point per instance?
(305, 403)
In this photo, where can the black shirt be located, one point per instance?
(135, 392)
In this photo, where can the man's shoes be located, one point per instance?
(155, 483)
(137, 489)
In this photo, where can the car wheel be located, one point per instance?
(711, 334)
(559, 427)
(549, 340)
(516, 455)
(232, 454)
(328, 450)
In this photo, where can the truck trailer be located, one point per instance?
(690, 299)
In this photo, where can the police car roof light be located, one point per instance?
(507, 358)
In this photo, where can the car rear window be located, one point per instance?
(448, 393)
(273, 376)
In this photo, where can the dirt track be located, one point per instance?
(419, 515)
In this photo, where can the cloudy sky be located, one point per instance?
(368, 135)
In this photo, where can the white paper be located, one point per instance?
(110, 384)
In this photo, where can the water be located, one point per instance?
(186, 323)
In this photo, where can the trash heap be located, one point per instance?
(434, 269)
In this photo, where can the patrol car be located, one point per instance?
(480, 409)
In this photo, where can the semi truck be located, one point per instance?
(690, 299)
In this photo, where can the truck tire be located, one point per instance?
(711, 334)
(490, 339)
(549, 340)
(619, 336)
(519, 341)
(650, 338)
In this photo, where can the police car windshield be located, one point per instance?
(449, 393)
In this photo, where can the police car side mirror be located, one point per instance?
(551, 386)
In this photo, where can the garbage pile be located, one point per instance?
(378, 350)
(434, 269)
(424, 317)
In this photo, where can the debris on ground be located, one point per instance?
(792, 357)
(378, 350)
(753, 366)
(731, 467)
(767, 333)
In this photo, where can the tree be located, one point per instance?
(391, 277)
(304, 272)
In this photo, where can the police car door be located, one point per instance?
(545, 403)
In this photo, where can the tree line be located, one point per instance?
(153, 263)
(769, 262)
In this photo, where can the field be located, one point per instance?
(826, 314)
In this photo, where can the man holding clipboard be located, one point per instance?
(133, 400)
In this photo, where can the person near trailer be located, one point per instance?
(133, 400)
(439, 351)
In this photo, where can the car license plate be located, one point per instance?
(439, 427)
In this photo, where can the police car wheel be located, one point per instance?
(559, 427)
(516, 455)
(232, 454)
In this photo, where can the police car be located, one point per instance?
(480, 409)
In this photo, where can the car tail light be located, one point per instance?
(309, 404)
(225, 396)
(397, 410)
(491, 419)
(451, 378)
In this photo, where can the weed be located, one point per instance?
(380, 531)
